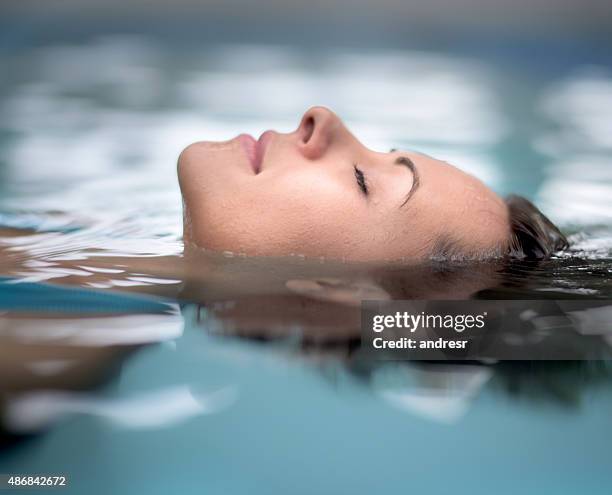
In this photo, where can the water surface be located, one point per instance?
(230, 383)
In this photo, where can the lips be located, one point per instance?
(255, 149)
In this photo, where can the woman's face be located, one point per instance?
(318, 191)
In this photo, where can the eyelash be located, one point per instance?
(361, 181)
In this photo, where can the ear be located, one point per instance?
(348, 292)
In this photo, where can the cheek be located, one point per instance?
(305, 213)
(308, 214)
(306, 199)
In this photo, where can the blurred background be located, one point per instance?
(97, 99)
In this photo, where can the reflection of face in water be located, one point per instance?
(317, 303)
(321, 301)
(315, 310)
(321, 321)
(318, 191)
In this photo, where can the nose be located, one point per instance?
(317, 131)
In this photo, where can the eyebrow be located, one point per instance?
(416, 182)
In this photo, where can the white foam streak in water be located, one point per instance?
(148, 410)
(582, 105)
(442, 100)
(596, 245)
(95, 332)
(583, 202)
(578, 188)
(441, 394)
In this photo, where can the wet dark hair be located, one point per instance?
(532, 234)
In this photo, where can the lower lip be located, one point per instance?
(255, 150)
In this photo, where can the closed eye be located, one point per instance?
(361, 180)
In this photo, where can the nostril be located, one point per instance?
(308, 129)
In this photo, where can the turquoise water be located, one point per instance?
(283, 423)
(89, 135)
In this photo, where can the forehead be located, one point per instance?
(451, 180)
(457, 203)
